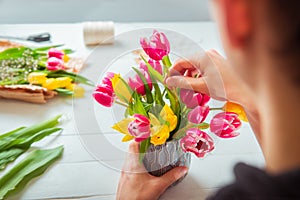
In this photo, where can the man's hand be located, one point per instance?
(212, 74)
(137, 184)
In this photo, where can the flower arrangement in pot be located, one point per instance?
(169, 123)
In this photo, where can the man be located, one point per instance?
(262, 41)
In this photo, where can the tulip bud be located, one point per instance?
(137, 84)
(225, 124)
(192, 99)
(198, 114)
(103, 94)
(154, 63)
(139, 128)
(157, 46)
(54, 63)
(55, 53)
(197, 142)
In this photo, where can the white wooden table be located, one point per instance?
(87, 173)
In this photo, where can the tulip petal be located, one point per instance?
(122, 126)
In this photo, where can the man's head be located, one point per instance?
(256, 32)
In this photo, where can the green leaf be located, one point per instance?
(147, 88)
(32, 166)
(68, 51)
(16, 144)
(17, 135)
(144, 145)
(153, 72)
(64, 91)
(13, 53)
(166, 61)
(174, 102)
(203, 126)
(76, 77)
(25, 142)
(138, 107)
(158, 96)
(9, 155)
(11, 132)
(180, 133)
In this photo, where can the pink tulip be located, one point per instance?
(104, 95)
(139, 128)
(54, 63)
(137, 84)
(157, 46)
(197, 142)
(107, 79)
(192, 99)
(55, 53)
(154, 63)
(225, 124)
(198, 114)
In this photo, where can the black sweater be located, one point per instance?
(254, 184)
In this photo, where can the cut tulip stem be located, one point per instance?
(121, 103)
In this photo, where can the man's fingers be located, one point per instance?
(172, 176)
(199, 63)
(196, 84)
(134, 147)
(132, 163)
(180, 68)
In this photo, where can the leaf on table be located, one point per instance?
(18, 141)
(9, 156)
(9, 141)
(32, 166)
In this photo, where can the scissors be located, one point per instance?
(42, 37)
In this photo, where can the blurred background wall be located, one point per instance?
(60, 11)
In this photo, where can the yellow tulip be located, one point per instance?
(161, 134)
(168, 115)
(64, 82)
(78, 91)
(121, 88)
(51, 84)
(37, 78)
(66, 58)
(236, 108)
(122, 127)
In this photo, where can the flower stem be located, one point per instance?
(121, 103)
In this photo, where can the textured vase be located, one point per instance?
(162, 158)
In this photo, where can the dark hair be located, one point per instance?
(284, 18)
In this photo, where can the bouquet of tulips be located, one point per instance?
(156, 114)
(48, 67)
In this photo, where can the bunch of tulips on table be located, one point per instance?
(48, 67)
(156, 114)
